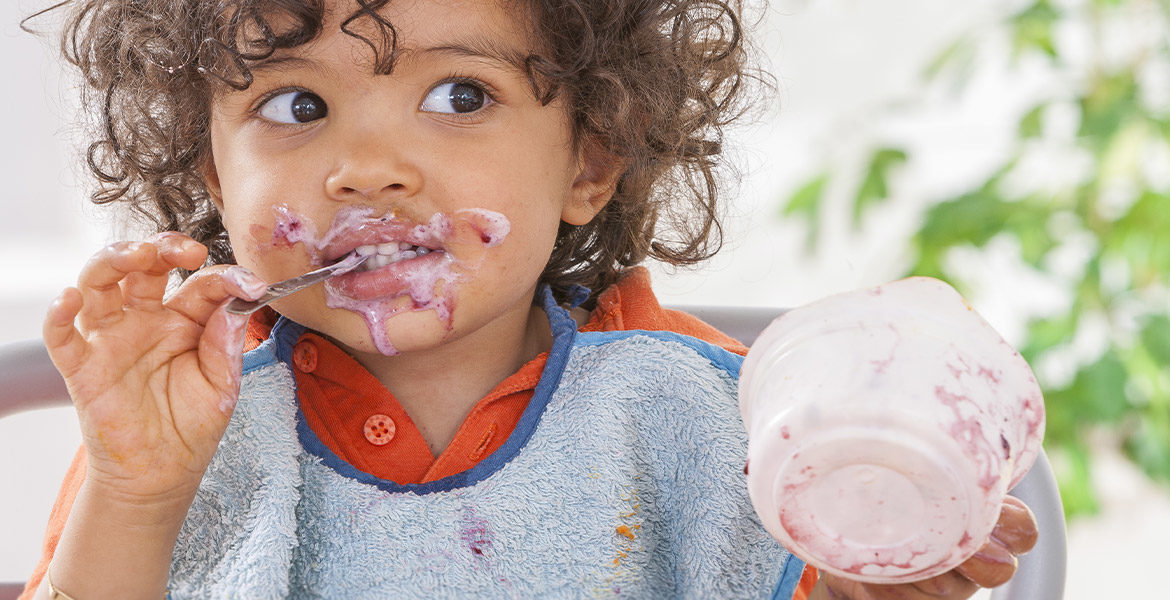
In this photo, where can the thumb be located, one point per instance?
(221, 351)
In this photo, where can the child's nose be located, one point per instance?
(372, 171)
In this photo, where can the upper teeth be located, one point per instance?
(388, 253)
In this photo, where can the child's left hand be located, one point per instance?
(993, 565)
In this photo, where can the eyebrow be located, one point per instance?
(284, 63)
(471, 47)
(478, 47)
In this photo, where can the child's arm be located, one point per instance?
(154, 382)
(993, 565)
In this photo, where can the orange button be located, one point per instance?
(305, 356)
(379, 430)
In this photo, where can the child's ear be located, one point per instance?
(211, 181)
(595, 185)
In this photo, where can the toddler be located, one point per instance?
(493, 403)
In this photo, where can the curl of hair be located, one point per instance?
(650, 84)
(653, 84)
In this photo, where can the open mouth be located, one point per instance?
(436, 254)
(388, 253)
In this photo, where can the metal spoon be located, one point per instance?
(281, 289)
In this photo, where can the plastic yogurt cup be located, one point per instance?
(885, 427)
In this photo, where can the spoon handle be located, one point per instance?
(281, 289)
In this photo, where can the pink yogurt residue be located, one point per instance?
(455, 246)
(291, 229)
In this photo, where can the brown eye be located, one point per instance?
(294, 107)
(459, 97)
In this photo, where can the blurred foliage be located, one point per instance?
(1115, 201)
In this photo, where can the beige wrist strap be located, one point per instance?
(54, 593)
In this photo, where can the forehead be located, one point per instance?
(394, 29)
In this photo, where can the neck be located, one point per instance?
(438, 399)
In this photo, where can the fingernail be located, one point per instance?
(247, 281)
(1016, 527)
(994, 553)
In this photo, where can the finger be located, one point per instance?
(221, 351)
(992, 566)
(65, 344)
(179, 250)
(99, 281)
(242, 283)
(1016, 529)
(145, 289)
(947, 585)
(206, 290)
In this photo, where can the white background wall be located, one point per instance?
(836, 60)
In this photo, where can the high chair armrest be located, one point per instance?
(28, 379)
(1041, 574)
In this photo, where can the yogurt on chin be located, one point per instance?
(414, 265)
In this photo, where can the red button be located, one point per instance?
(305, 356)
(379, 430)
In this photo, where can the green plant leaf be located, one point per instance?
(1071, 464)
(1031, 124)
(957, 58)
(1111, 100)
(1141, 240)
(1032, 29)
(874, 186)
(1063, 426)
(1155, 337)
(1098, 391)
(971, 219)
(1047, 333)
(1027, 221)
(805, 204)
(1149, 447)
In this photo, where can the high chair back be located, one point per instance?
(29, 381)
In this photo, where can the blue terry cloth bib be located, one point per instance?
(623, 478)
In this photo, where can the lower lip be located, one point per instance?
(416, 277)
(372, 293)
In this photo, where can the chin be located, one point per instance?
(402, 332)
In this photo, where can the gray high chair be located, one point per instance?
(29, 381)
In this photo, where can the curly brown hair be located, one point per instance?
(651, 83)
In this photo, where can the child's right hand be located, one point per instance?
(154, 380)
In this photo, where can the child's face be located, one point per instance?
(451, 154)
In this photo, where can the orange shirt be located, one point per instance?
(360, 421)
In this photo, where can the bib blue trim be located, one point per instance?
(724, 359)
(260, 356)
(286, 333)
(789, 578)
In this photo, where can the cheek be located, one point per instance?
(254, 234)
(522, 257)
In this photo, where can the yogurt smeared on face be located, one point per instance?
(414, 265)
